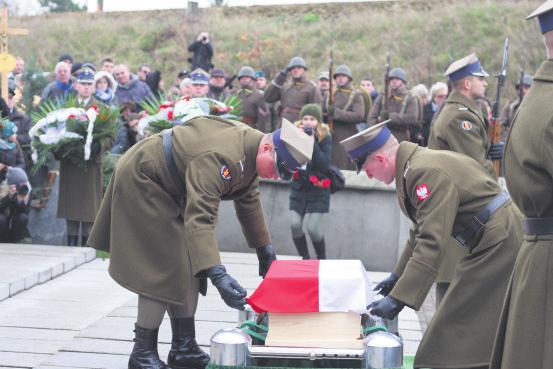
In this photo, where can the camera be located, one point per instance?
(309, 131)
(204, 38)
(22, 189)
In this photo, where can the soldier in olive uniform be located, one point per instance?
(525, 335)
(508, 113)
(445, 194)
(81, 188)
(254, 111)
(403, 108)
(347, 110)
(462, 127)
(158, 221)
(294, 93)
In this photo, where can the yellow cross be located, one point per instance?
(6, 58)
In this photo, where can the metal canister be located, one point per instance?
(370, 320)
(230, 347)
(247, 314)
(383, 350)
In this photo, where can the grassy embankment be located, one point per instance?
(422, 37)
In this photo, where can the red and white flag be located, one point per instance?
(307, 286)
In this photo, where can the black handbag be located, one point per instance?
(337, 179)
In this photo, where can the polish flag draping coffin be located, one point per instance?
(313, 303)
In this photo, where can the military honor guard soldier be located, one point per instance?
(445, 194)
(158, 221)
(525, 335)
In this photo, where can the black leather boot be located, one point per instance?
(144, 353)
(72, 240)
(185, 352)
(320, 249)
(84, 240)
(301, 246)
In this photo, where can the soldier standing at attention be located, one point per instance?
(525, 335)
(292, 93)
(254, 110)
(445, 194)
(508, 113)
(402, 109)
(158, 220)
(461, 127)
(347, 111)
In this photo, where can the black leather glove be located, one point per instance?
(231, 292)
(387, 308)
(95, 148)
(496, 151)
(265, 255)
(281, 77)
(385, 286)
(384, 116)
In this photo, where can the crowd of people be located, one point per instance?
(466, 233)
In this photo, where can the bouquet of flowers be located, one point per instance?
(166, 115)
(68, 131)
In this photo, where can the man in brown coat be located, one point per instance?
(403, 108)
(347, 110)
(294, 93)
(445, 194)
(254, 111)
(81, 188)
(158, 221)
(525, 335)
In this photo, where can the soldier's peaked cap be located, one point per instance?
(467, 66)
(293, 147)
(545, 16)
(199, 77)
(362, 144)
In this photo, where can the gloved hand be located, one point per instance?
(385, 286)
(95, 148)
(331, 109)
(281, 77)
(496, 151)
(231, 292)
(308, 131)
(384, 116)
(387, 308)
(265, 255)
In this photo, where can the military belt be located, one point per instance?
(535, 226)
(170, 161)
(479, 220)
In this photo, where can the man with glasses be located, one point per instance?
(159, 214)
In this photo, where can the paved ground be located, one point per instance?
(82, 319)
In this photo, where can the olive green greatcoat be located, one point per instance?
(81, 187)
(154, 237)
(293, 94)
(349, 110)
(403, 110)
(447, 133)
(525, 334)
(254, 110)
(440, 191)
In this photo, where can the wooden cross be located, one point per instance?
(7, 61)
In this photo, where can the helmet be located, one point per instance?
(344, 70)
(297, 61)
(246, 72)
(398, 73)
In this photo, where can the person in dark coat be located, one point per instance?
(126, 134)
(438, 95)
(154, 81)
(14, 207)
(203, 52)
(11, 154)
(310, 186)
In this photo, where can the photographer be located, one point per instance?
(203, 52)
(14, 207)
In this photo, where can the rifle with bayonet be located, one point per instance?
(494, 130)
(331, 93)
(384, 112)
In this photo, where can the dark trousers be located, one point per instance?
(13, 228)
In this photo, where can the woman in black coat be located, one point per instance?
(310, 186)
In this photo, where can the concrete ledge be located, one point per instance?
(24, 266)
